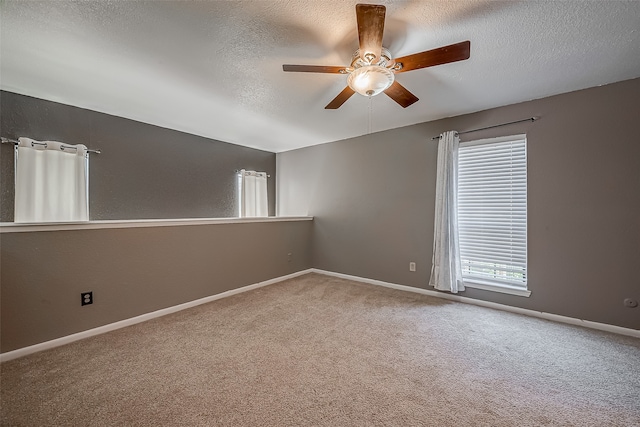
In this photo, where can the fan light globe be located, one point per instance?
(370, 80)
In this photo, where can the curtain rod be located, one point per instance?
(530, 119)
(14, 142)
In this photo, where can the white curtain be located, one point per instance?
(51, 182)
(253, 194)
(446, 271)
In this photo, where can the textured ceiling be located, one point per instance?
(214, 68)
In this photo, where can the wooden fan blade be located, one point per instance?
(340, 99)
(400, 94)
(370, 28)
(442, 55)
(313, 69)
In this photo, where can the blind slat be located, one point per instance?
(493, 258)
(491, 237)
(498, 248)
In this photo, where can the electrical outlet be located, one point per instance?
(412, 266)
(87, 298)
(289, 257)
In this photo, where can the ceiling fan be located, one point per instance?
(373, 69)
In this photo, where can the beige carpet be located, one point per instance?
(321, 351)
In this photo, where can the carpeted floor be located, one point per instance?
(321, 351)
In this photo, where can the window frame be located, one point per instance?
(498, 285)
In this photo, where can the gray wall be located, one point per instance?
(373, 198)
(133, 271)
(144, 171)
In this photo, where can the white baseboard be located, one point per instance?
(541, 314)
(163, 312)
(138, 319)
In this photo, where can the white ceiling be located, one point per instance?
(214, 68)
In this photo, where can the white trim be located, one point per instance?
(138, 319)
(505, 289)
(540, 314)
(11, 227)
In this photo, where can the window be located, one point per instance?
(52, 182)
(492, 213)
(252, 194)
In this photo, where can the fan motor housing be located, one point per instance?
(385, 60)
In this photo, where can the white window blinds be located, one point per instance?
(492, 210)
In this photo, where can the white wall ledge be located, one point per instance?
(10, 227)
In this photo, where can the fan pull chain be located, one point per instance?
(370, 113)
